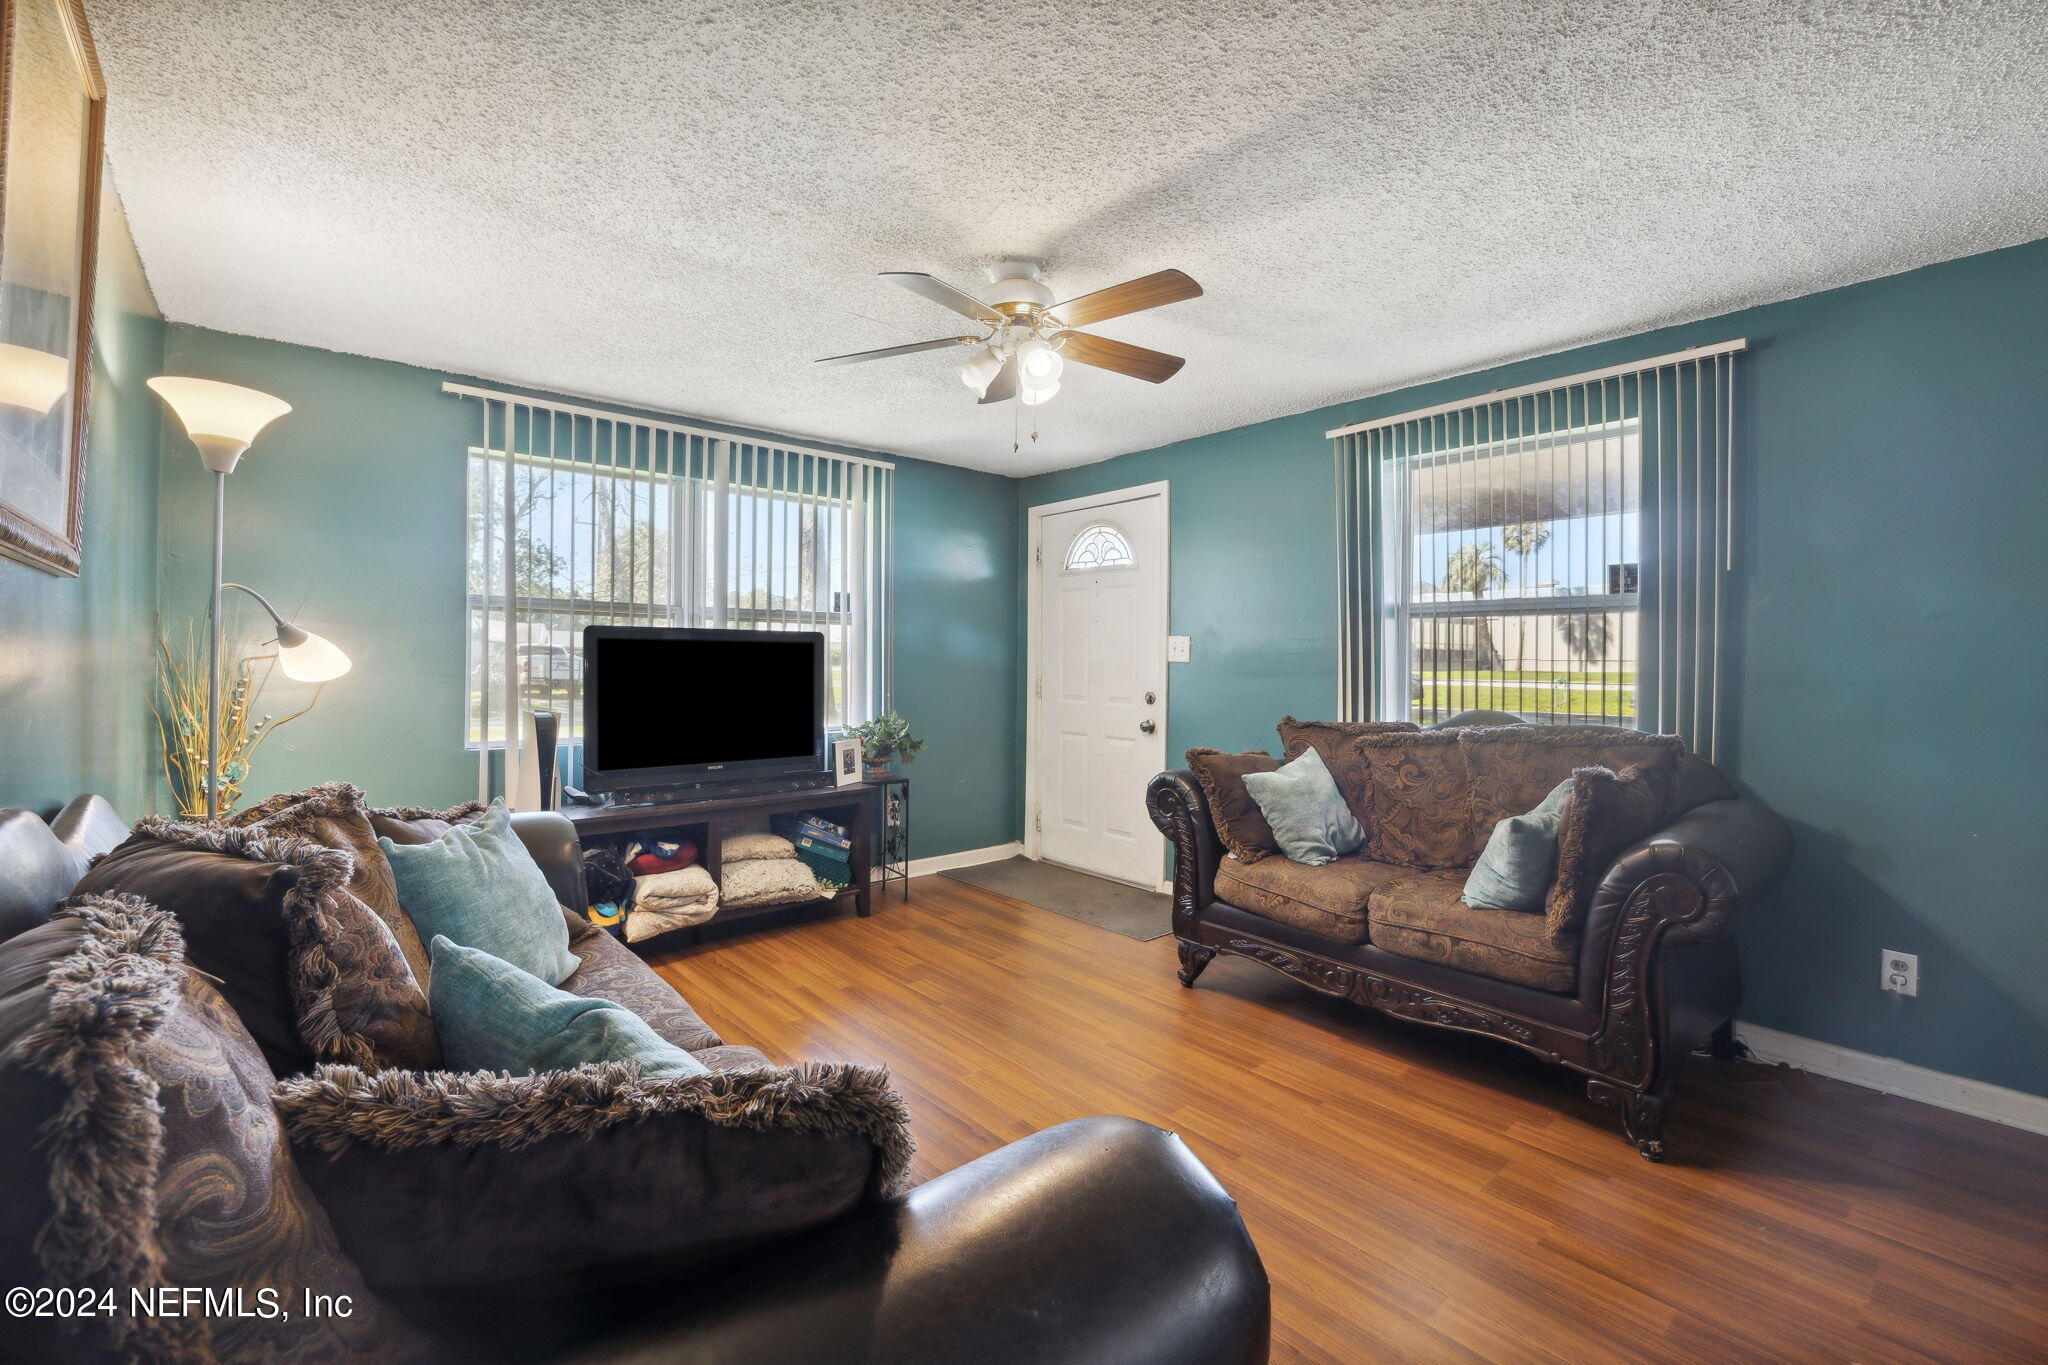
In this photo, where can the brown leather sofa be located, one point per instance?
(1100, 1239)
(1647, 972)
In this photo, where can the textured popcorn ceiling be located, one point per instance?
(680, 205)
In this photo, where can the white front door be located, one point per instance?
(1101, 684)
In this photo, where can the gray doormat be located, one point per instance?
(1126, 910)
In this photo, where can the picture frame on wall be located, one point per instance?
(52, 130)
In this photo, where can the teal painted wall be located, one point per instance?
(1893, 566)
(354, 504)
(75, 653)
(1896, 473)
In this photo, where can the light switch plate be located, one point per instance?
(1176, 649)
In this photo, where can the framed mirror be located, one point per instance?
(53, 102)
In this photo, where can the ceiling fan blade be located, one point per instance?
(1004, 385)
(1132, 296)
(1154, 367)
(852, 356)
(938, 291)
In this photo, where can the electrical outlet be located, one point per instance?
(1176, 649)
(1901, 972)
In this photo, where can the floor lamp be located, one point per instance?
(222, 420)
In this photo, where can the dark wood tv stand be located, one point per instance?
(709, 820)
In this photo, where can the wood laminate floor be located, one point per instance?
(1418, 1195)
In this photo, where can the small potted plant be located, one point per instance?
(883, 738)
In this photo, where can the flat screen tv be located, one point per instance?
(664, 706)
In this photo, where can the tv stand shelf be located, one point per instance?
(710, 819)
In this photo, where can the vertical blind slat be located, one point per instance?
(1558, 553)
(613, 521)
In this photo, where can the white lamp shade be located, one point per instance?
(1038, 366)
(32, 379)
(1031, 398)
(314, 659)
(978, 369)
(218, 414)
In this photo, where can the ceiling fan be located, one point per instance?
(1029, 337)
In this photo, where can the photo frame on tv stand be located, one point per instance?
(846, 771)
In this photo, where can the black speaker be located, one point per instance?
(546, 725)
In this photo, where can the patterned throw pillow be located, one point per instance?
(459, 1191)
(312, 971)
(1333, 740)
(1607, 812)
(1239, 823)
(421, 824)
(139, 1150)
(1514, 766)
(1421, 800)
(334, 815)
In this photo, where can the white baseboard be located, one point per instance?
(966, 857)
(1979, 1099)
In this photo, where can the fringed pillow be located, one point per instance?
(334, 815)
(312, 971)
(454, 1189)
(1607, 812)
(421, 824)
(1239, 822)
(139, 1152)
(1514, 766)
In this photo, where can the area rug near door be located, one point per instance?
(1122, 909)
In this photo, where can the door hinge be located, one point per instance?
(1038, 822)
(1038, 688)
(1038, 556)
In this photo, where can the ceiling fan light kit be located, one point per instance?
(978, 369)
(1030, 338)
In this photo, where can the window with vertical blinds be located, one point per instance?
(579, 517)
(1559, 552)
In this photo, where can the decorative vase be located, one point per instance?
(878, 768)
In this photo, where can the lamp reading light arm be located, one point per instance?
(304, 656)
(288, 635)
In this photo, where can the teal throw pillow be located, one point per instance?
(493, 1017)
(1301, 802)
(478, 885)
(1520, 861)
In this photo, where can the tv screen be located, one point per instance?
(676, 705)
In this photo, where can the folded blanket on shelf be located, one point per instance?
(764, 881)
(748, 848)
(670, 900)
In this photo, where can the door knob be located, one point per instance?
(1146, 727)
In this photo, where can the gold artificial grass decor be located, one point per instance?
(179, 705)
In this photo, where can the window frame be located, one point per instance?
(690, 544)
(1403, 683)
